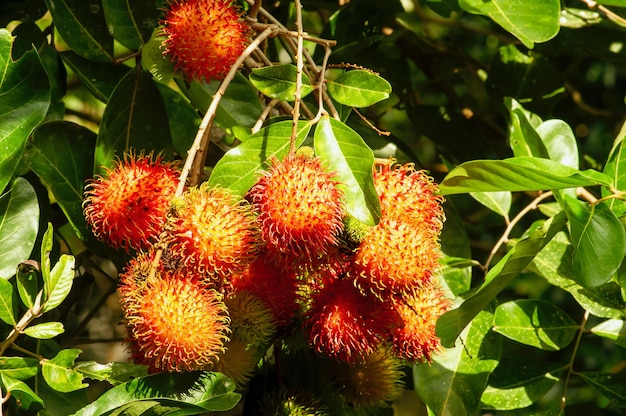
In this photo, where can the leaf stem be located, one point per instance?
(570, 365)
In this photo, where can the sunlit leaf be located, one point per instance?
(27, 283)
(454, 382)
(45, 330)
(19, 368)
(536, 323)
(21, 109)
(615, 168)
(598, 239)
(114, 372)
(60, 283)
(19, 222)
(359, 88)
(154, 61)
(523, 136)
(59, 374)
(613, 329)
(239, 168)
(498, 202)
(352, 160)
(279, 81)
(560, 142)
(456, 271)
(8, 300)
(20, 391)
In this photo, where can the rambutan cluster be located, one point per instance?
(217, 279)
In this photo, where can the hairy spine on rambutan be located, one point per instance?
(127, 206)
(174, 322)
(204, 38)
(300, 208)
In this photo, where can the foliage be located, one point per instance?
(514, 107)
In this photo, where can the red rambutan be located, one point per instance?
(300, 207)
(174, 322)
(204, 38)
(127, 206)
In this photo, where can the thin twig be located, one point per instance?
(570, 365)
(264, 114)
(299, 68)
(608, 13)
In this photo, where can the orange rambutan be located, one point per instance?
(300, 207)
(204, 38)
(174, 322)
(277, 287)
(415, 340)
(213, 231)
(127, 206)
(344, 323)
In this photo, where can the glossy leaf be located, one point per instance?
(359, 88)
(279, 81)
(560, 142)
(19, 222)
(531, 21)
(59, 374)
(615, 168)
(46, 248)
(454, 382)
(239, 168)
(83, 28)
(498, 202)
(346, 154)
(518, 174)
(554, 263)
(135, 118)
(523, 136)
(185, 391)
(100, 78)
(21, 109)
(613, 329)
(154, 61)
(60, 283)
(8, 307)
(130, 23)
(19, 368)
(536, 323)
(61, 154)
(113, 372)
(450, 324)
(20, 391)
(45, 330)
(598, 239)
(529, 382)
(612, 385)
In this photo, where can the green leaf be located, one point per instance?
(20, 391)
(359, 88)
(46, 248)
(45, 330)
(21, 109)
(182, 117)
(615, 168)
(530, 21)
(239, 108)
(131, 23)
(451, 323)
(536, 323)
(518, 174)
(8, 307)
(83, 28)
(498, 202)
(456, 271)
(613, 329)
(60, 283)
(19, 368)
(27, 282)
(61, 154)
(135, 118)
(454, 382)
(523, 137)
(58, 372)
(154, 61)
(517, 383)
(196, 391)
(560, 142)
(239, 168)
(352, 160)
(100, 78)
(279, 81)
(598, 239)
(19, 222)
(612, 385)
(554, 263)
(114, 372)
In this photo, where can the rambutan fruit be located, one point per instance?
(415, 340)
(174, 322)
(277, 287)
(371, 381)
(238, 361)
(300, 208)
(251, 318)
(204, 38)
(127, 207)
(291, 402)
(213, 231)
(344, 323)
(409, 196)
(395, 256)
